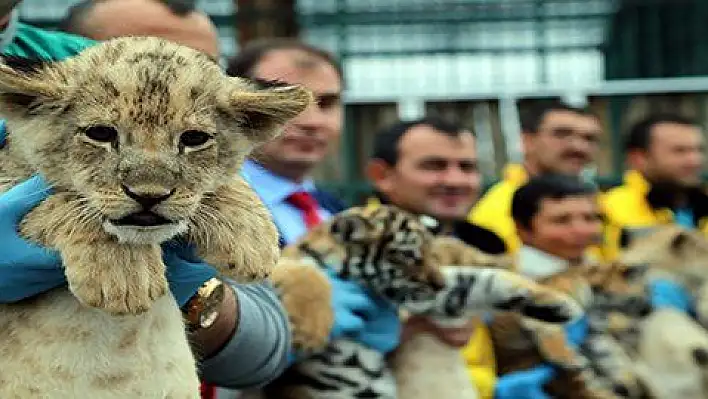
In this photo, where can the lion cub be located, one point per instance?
(142, 141)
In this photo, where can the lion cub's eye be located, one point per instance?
(194, 138)
(103, 134)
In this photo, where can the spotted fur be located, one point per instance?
(394, 254)
(128, 119)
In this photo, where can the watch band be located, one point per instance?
(202, 310)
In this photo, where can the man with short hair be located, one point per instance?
(557, 218)
(429, 167)
(556, 138)
(665, 155)
(175, 20)
(279, 171)
(309, 137)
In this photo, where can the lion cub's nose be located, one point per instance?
(147, 198)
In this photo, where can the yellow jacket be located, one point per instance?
(627, 208)
(493, 211)
(481, 363)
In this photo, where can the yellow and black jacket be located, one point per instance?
(493, 211)
(636, 206)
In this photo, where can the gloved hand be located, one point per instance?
(362, 317)
(185, 271)
(665, 293)
(26, 269)
(577, 331)
(382, 327)
(349, 301)
(526, 384)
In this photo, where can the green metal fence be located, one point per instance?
(479, 61)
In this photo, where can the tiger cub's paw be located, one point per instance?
(536, 301)
(306, 294)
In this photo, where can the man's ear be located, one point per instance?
(264, 107)
(636, 159)
(379, 174)
(27, 85)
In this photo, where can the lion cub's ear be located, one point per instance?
(264, 107)
(29, 84)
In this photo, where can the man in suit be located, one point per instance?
(282, 167)
(280, 171)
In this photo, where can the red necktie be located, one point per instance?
(207, 391)
(307, 204)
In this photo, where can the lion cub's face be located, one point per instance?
(140, 128)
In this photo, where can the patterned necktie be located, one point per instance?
(307, 204)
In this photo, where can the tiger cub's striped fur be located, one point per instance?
(394, 254)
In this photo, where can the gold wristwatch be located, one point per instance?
(202, 310)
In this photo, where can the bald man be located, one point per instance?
(173, 20)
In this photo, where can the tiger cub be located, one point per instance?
(601, 367)
(393, 254)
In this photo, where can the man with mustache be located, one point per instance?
(557, 139)
(429, 167)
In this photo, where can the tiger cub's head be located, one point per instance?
(619, 297)
(383, 248)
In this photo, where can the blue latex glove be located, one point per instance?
(185, 271)
(25, 268)
(349, 301)
(669, 294)
(577, 331)
(526, 384)
(382, 327)
(363, 317)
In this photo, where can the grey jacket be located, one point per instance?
(258, 351)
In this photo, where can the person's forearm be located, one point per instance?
(256, 352)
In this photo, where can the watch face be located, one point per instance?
(207, 318)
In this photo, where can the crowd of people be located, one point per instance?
(427, 166)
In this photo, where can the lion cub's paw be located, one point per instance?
(538, 302)
(244, 266)
(118, 279)
(306, 294)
